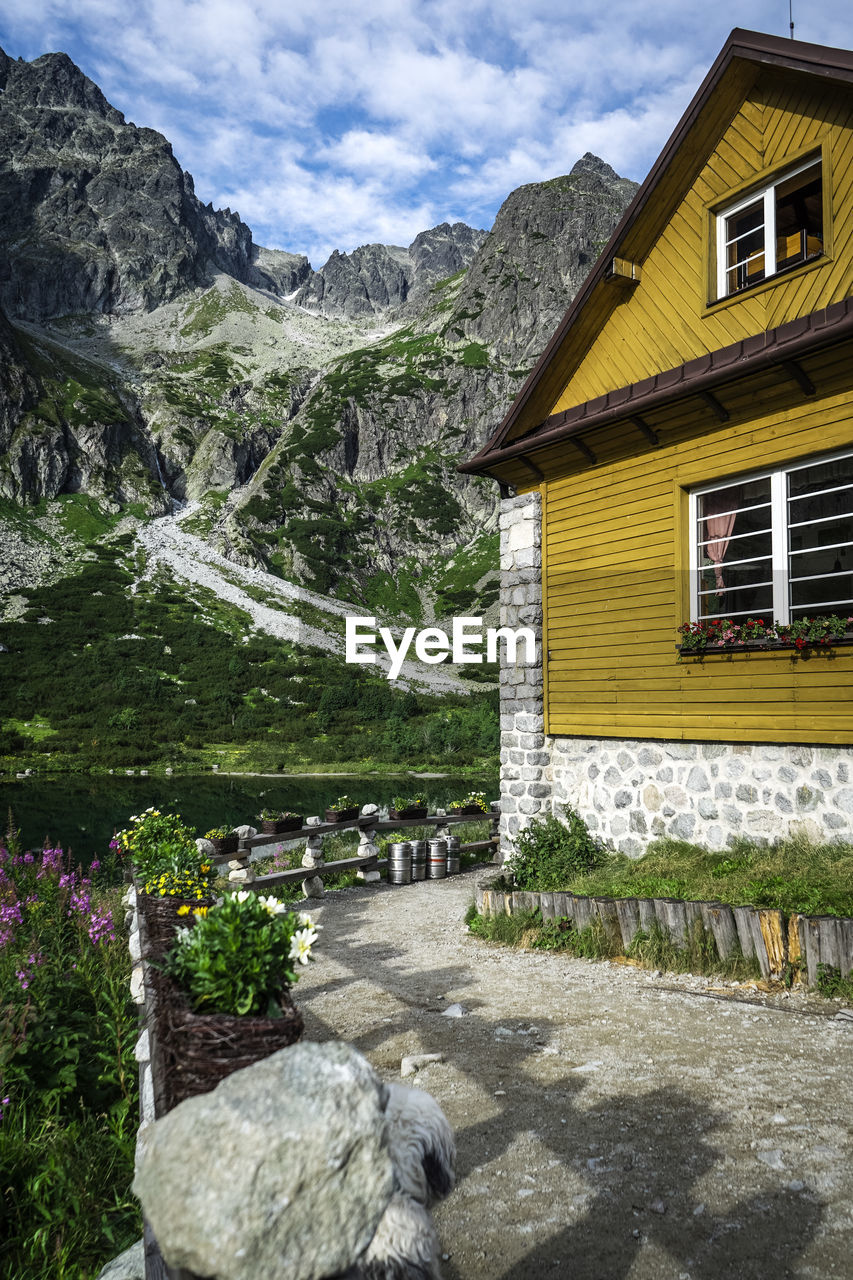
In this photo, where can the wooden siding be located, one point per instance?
(667, 319)
(616, 590)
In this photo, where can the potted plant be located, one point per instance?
(223, 839)
(408, 807)
(168, 871)
(276, 821)
(224, 991)
(342, 810)
(473, 803)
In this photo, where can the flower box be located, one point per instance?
(223, 845)
(162, 919)
(277, 826)
(198, 1050)
(342, 815)
(470, 810)
(411, 811)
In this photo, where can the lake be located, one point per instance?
(81, 812)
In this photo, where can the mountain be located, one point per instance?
(152, 354)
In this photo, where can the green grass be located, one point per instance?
(794, 875)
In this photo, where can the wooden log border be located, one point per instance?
(777, 940)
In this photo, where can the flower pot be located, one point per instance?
(162, 919)
(411, 811)
(198, 1050)
(224, 844)
(342, 815)
(277, 826)
(469, 810)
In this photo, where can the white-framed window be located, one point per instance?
(770, 230)
(776, 545)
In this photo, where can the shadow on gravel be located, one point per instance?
(650, 1153)
(639, 1157)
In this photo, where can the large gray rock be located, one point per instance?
(129, 1265)
(282, 1172)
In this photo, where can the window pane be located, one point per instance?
(799, 218)
(745, 247)
(820, 537)
(735, 551)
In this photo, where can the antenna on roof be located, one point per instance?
(791, 17)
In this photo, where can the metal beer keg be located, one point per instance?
(419, 859)
(437, 861)
(400, 863)
(453, 855)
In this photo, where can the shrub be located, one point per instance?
(549, 853)
(156, 842)
(241, 954)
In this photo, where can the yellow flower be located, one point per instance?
(200, 911)
(184, 910)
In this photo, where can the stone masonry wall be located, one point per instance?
(631, 792)
(525, 782)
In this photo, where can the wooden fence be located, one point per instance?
(367, 861)
(784, 944)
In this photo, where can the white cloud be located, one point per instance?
(336, 125)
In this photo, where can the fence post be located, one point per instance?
(312, 886)
(367, 845)
(442, 829)
(239, 870)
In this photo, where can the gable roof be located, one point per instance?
(739, 63)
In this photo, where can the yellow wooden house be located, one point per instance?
(682, 456)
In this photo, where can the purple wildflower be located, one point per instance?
(23, 978)
(101, 927)
(4, 1102)
(94, 865)
(10, 915)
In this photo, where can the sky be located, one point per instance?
(334, 123)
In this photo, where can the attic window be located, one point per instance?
(770, 230)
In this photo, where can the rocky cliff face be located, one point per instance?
(545, 239)
(96, 215)
(378, 277)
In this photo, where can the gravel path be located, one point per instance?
(610, 1122)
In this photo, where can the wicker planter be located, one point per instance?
(411, 811)
(224, 844)
(342, 815)
(470, 810)
(162, 919)
(199, 1050)
(278, 826)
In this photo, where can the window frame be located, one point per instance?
(765, 192)
(779, 530)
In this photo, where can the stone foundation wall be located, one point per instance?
(630, 792)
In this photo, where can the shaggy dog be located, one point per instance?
(423, 1156)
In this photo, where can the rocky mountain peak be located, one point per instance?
(378, 277)
(545, 238)
(593, 164)
(52, 80)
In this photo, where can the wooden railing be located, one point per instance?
(367, 862)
